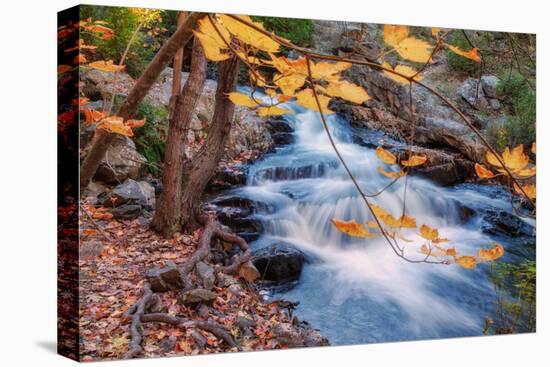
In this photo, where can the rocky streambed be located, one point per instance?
(358, 291)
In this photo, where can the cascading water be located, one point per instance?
(358, 290)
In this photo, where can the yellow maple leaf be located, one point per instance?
(405, 70)
(289, 83)
(348, 91)
(272, 111)
(492, 253)
(414, 160)
(530, 190)
(352, 228)
(248, 34)
(429, 233)
(214, 46)
(394, 34)
(305, 98)
(515, 160)
(386, 156)
(391, 174)
(414, 49)
(106, 66)
(467, 262)
(534, 148)
(241, 99)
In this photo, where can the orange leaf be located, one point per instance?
(467, 262)
(63, 68)
(483, 172)
(391, 174)
(491, 254)
(134, 123)
(429, 233)
(106, 66)
(352, 228)
(530, 190)
(415, 160)
(472, 54)
(386, 156)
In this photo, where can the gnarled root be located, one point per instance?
(160, 280)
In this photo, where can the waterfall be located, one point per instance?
(358, 290)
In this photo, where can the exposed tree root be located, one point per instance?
(171, 277)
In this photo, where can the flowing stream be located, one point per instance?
(358, 290)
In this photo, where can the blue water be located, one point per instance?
(358, 290)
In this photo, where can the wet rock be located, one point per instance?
(295, 173)
(447, 174)
(164, 279)
(226, 178)
(206, 274)
(126, 211)
(294, 336)
(196, 296)
(465, 213)
(283, 138)
(279, 263)
(121, 161)
(500, 222)
(279, 126)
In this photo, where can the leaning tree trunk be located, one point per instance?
(102, 138)
(167, 214)
(201, 168)
(176, 71)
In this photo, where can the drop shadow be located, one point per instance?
(48, 345)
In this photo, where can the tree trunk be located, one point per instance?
(176, 71)
(167, 214)
(102, 138)
(201, 168)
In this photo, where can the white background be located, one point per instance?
(28, 182)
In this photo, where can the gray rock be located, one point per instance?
(279, 263)
(121, 161)
(93, 191)
(206, 274)
(494, 104)
(295, 336)
(196, 296)
(473, 93)
(489, 84)
(126, 211)
(130, 192)
(164, 279)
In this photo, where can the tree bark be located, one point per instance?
(176, 73)
(102, 138)
(167, 214)
(201, 168)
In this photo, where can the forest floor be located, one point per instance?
(115, 256)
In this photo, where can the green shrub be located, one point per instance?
(150, 138)
(123, 21)
(459, 63)
(521, 124)
(515, 287)
(299, 31)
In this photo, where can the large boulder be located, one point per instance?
(501, 222)
(139, 193)
(279, 263)
(121, 161)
